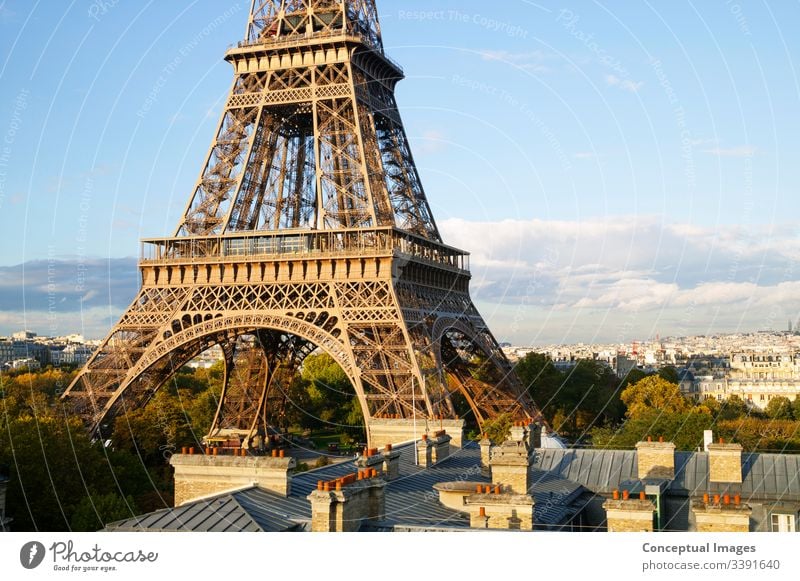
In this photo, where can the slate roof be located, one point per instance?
(247, 510)
(411, 501)
(766, 477)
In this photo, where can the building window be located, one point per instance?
(783, 523)
(762, 397)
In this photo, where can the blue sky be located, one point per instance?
(617, 169)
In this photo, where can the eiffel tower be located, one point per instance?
(308, 229)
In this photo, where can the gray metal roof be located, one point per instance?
(248, 510)
(765, 476)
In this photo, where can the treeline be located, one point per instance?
(591, 406)
(60, 480)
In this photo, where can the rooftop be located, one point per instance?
(411, 501)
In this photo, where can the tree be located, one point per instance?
(732, 408)
(498, 429)
(653, 393)
(779, 408)
(685, 430)
(95, 511)
(541, 379)
(670, 374)
(796, 408)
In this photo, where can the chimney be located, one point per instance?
(721, 514)
(500, 509)
(519, 433)
(486, 456)
(391, 463)
(725, 463)
(511, 466)
(425, 452)
(656, 460)
(200, 475)
(441, 446)
(629, 515)
(708, 438)
(535, 436)
(342, 505)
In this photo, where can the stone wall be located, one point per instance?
(721, 518)
(656, 460)
(198, 476)
(386, 431)
(501, 511)
(344, 510)
(725, 463)
(629, 516)
(511, 466)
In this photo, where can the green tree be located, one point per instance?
(54, 465)
(684, 429)
(542, 380)
(796, 408)
(498, 429)
(95, 511)
(669, 373)
(732, 408)
(653, 393)
(779, 408)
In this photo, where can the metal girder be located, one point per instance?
(308, 228)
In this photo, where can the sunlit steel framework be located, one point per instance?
(308, 228)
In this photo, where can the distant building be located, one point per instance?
(758, 377)
(24, 336)
(624, 365)
(28, 363)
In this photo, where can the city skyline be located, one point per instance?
(613, 176)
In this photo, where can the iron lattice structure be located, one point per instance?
(308, 228)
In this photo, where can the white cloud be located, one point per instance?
(624, 84)
(678, 276)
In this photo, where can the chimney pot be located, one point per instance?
(706, 498)
(726, 499)
(282, 454)
(191, 451)
(616, 494)
(626, 494)
(661, 439)
(478, 488)
(716, 499)
(482, 511)
(642, 495)
(320, 485)
(737, 499)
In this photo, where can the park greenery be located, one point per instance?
(62, 480)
